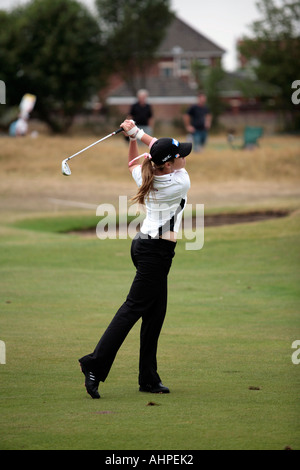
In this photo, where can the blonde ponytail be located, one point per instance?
(147, 182)
(146, 187)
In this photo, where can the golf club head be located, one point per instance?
(65, 168)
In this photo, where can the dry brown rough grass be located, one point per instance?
(30, 174)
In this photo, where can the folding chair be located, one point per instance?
(250, 137)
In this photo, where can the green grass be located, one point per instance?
(67, 223)
(58, 224)
(233, 314)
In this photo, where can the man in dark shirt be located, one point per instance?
(141, 112)
(197, 122)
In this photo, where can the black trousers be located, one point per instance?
(147, 299)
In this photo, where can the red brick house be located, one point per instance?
(170, 83)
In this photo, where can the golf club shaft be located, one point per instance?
(98, 141)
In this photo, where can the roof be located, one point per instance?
(161, 90)
(180, 39)
(188, 42)
(240, 83)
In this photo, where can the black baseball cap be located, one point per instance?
(165, 149)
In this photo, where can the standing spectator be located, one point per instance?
(197, 121)
(141, 112)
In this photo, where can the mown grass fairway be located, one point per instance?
(225, 349)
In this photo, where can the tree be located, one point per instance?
(51, 48)
(208, 81)
(133, 31)
(275, 46)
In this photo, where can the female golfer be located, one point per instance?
(163, 185)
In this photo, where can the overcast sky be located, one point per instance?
(222, 21)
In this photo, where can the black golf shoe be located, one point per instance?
(158, 388)
(91, 382)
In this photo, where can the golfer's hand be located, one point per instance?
(131, 130)
(127, 125)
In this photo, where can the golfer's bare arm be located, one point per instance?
(133, 146)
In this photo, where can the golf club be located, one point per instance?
(65, 166)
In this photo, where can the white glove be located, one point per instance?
(135, 133)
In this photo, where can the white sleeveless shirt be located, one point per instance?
(164, 201)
